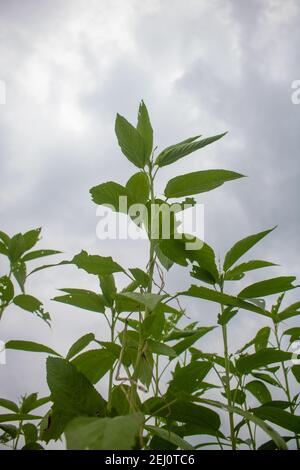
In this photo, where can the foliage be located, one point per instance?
(250, 388)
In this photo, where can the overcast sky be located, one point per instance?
(202, 67)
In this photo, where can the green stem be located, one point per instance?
(227, 385)
(111, 371)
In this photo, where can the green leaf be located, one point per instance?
(5, 238)
(109, 194)
(259, 390)
(170, 437)
(6, 290)
(289, 312)
(188, 341)
(31, 238)
(3, 249)
(294, 333)
(130, 141)
(188, 378)
(27, 302)
(239, 271)
(227, 315)
(198, 182)
(175, 152)
(161, 349)
(30, 346)
(17, 417)
(140, 276)
(95, 264)
(30, 433)
(268, 287)
(242, 246)
(280, 443)
(147, 300)
(138, 188)
(82, 298)
(145, 129)
(281, 418)
(118, 433)
(39, 254)
(10, 405)
(18, 269)
(266, 378)
(263, 357)
(296, 372)
(94, 364)
(237, 396)
(16, 247)
(80, 344)
(260, 341)
(71, 391)
(223, 299)
(108, 287)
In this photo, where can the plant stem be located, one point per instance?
(227, 386)
(111, 371)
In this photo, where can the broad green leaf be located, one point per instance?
(184, 412)
(30, 433)
(170, 436)
(16, 247)
(5, 238)
(3, 249)
(198, 182)
(239, 271)
(242, 246)
(10, 405)
(175, 152)
(145, 129)
(80, 344)
(109, 290)
(130, 141)
(39, 254)
(147, 300)
(30, 346)
(268, 287)
(163, 259)
(27, 302)
(6, 290)
(223, 299)
(109, 194)
(263, 357)
(259, 390)
(289, 312)
(237, 396)
(188, 378)
(294, 333)
(138, 188)
(9, 429)
(118, 433)
(281, 418)
(71, 391)
(95, 264)
(82, 298)
(266, 378)
(94, 364)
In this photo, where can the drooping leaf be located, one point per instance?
(279, 417)
(10, 405)
(296, 372)
(30, 346)
(198, 182)
(117, 433)
(242, 246)
(268, 287)
(175, 152)
(130, 141)
(82, 298)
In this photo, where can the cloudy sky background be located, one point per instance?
(201, 67)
